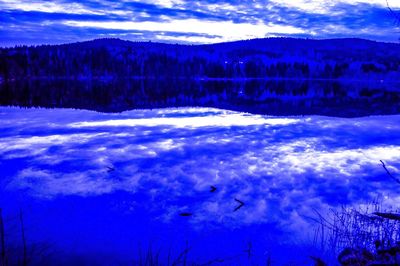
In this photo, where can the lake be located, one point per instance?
(167, 180)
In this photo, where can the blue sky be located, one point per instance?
(184, 21)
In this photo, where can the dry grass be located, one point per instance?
(356, 228)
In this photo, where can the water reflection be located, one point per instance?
(56, 167)
(284, 97)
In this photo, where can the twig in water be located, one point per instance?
(387, 171)
(240, 206)
(185, 214)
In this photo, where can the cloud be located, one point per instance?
(236, 31)
(47, 6)
(164, 161)
(229, 20)
(58, 33)
(325, 6)
(223, 120)
(172, 156)
(8, 16)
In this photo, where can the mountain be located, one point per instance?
(273, 58)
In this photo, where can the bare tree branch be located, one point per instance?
(394, 14)
(387, 171)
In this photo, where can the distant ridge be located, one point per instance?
(122, 42)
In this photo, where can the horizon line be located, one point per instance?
(193, 44)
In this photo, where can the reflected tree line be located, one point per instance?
(283, 97)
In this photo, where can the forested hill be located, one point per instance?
(259, 58)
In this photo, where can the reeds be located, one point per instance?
(356, 229)
(3, 261)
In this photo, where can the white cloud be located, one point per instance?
(214, 31)
(225, 120)
(325, 6)
(313, 6)
(161, 3)
(188, 39)
(282, 168)
(46, 6)
(48, 184)
(61, 7)
(228, 30)
(392, 3)
(39, 144)
(220, 7)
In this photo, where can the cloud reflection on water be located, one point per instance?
(282, 168)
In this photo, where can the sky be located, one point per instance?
(186, 21)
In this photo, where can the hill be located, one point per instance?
(273, 58)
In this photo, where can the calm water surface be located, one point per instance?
(107, 188)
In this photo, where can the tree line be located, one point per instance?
(115, 58)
